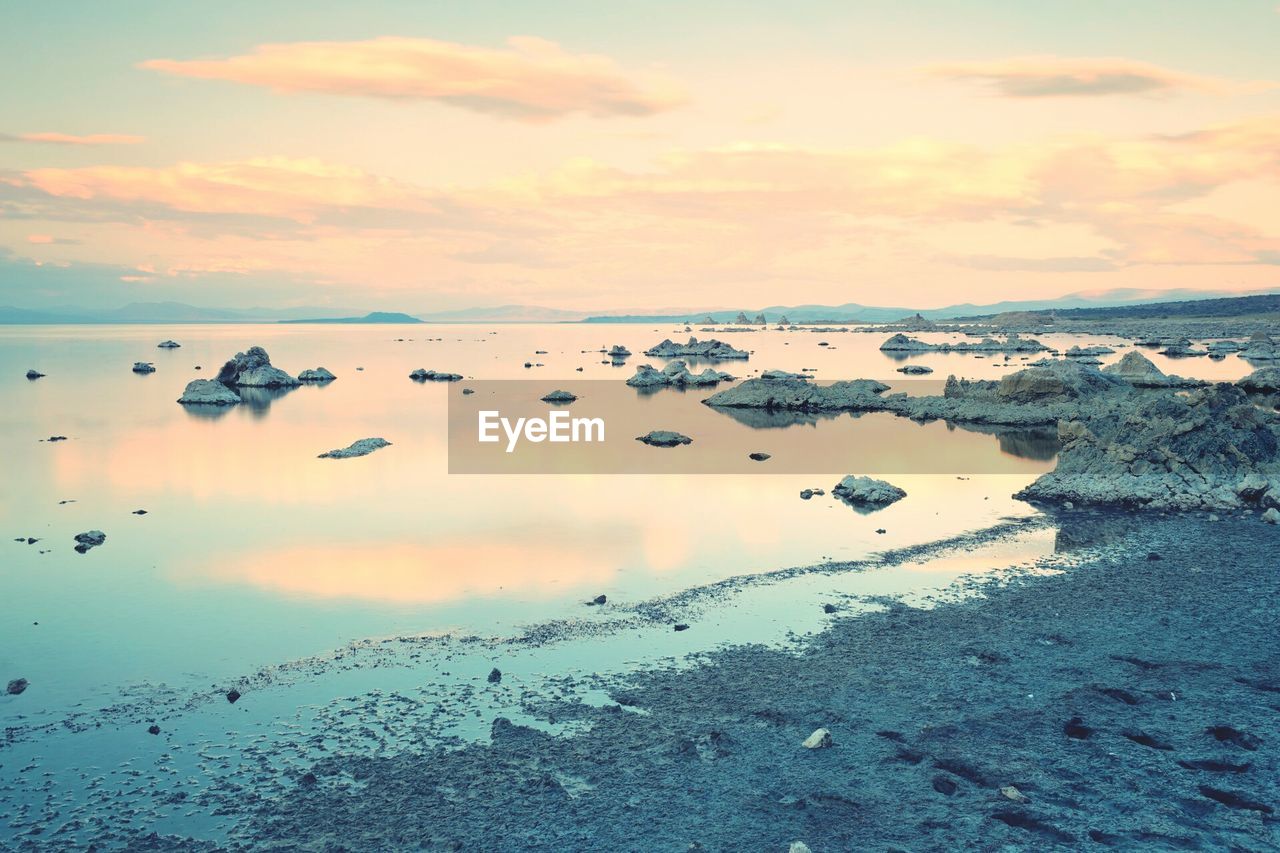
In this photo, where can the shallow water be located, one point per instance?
(254, 553)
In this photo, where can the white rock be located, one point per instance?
(820, 739)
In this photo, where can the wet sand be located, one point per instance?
(1133, 701)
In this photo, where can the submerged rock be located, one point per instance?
(363, 447)
(559, 397)
(253, 369)
(89, 539)
(319, 374)
(867, 492)
(208, 392)
(712, 349)
(143, 367)
(168, 345)
(664, 438)
(424, 375)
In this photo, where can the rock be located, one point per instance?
(742, 319)
(782, 374)
(424, 375)
(1138, 370)
(363, 447)
(1271, 516)
(867, 492)
(618, 351)
(1264, 380)
(233, 695)
(805, 494)
(139, 512)
(153, 729)
(319, 374)
(680, 627)
(168, 345)
(208, 392)
(1260, 347)
(495, 675)
(34, 374)
(1011, 793)
(469, 391)
(252, 369)
(829, 608)
(16, 686)
(599, 599)
(143, 367)
(664, 438)
(711, 349)
(1012, 343)
(89, 539)
(559, 397)
(915, 369)
(799, 847)
(1059, 380)
(54, 438)
(1086, 352)
(758, 457)
(820, 739)
(675, 374)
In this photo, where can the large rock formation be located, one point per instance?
(695, 348)
(1264, 380)
(252, 369)
(675, 374)
(867, 493)
(1167, 451)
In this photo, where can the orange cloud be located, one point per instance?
(1052, 76)
(72, 139)
(533, 81)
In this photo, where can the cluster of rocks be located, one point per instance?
(675, 374)
(1011, 344)
(710, 349)
(663, 438)
(249, 369)
(424, 375)
(89, 539)
(363, 447)
(143, 367)
(318, 374)
(1260, 347)
(168, 345)
(867, 493)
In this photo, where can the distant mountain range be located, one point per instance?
(849, 312)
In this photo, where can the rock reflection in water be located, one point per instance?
(1039, 444)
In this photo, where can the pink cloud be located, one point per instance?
(50, 138)
(532, 81)
(1052, 76)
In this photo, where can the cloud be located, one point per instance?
(1006, 263)
(1051, 76)
(50, 240)
(532, 81)
(72, 139)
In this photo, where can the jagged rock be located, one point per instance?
(806, 494)
(676, 373)
(143, 367)
(559, 397)
(495, 675)
(319, 374)
(709, 320)
(363, 447)
(782, 374)
(1057, 380)
(1136, 369)
(424, 375)
(742, 319)
(1081, 352)
(783, 321)
(867, 492)
(1013, 343)
(664, 438)
(16, 686)
(915, 369)
(1182, 349)
(208, 392)
(252, 369)
(711, 349)
(233, 696)
(820, 739)
(89, 539)
(168, 345)
(1260, 347)
(1264, 380)
(618, 351)
(34, 374)
(1271, 516)
(761, 320)
(1224, 347)
(1169, 450)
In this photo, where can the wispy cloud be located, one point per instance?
(1052, 77)
(49, 138)
(533, 80)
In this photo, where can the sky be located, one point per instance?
(613, 157)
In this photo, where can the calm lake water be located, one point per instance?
(253, 553)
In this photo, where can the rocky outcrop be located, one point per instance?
(762, 320)
(143, 367)
(424, 375)
(675, 374)
(742, 320)
(1264, 380)
(1012, 344)
(559, 397)
(363, 447)
(801, 395)
(711, 349)
(782, 374)
(664, 438)
(168, 345)
(253, 369)
(618, 351)
(1085, 352)
(89, 539)
(1136, 369)
(319, 374)
(1058, 380)
(783, 321)
(867, 492)
(34, 374)
(915, 370)
(208, 392)
(1260, 347)
(1205, 449)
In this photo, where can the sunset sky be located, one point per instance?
(427, 156)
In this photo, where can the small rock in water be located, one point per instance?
(943, 785)
(468, 390)
(559, 397)
(233, 695)
(495, 675)
(16, 686)
(599, 599)
(680, 627)
(1011, 793)
(867, 493)
(820, 739)
(664, 438)
(828, 608)
(168, 345)
(363, 447)
(758, 457)
(143, 367)
(139, 512)
(56, 438)
(153, 729)
(34, 374)
(308, 779)
(799, 847)
(319, 374)
(208, 392)
(1153, 556)
(805, 494)
(424, 375)
(89, 539)
(1271, 516)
